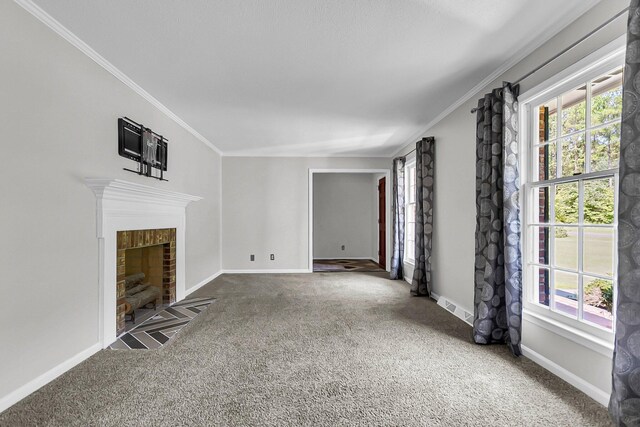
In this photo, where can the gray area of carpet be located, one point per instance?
(311, 349)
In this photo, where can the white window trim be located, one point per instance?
(601, 61)
(410, 161)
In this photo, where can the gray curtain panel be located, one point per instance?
(498, 261)
(398, 219)
(421, 282)
(624, 405)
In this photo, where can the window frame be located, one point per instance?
(599, 62)
(409, 163)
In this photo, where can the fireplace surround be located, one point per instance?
(123, 206)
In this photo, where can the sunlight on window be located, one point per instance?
(576, 152)
(410, 212)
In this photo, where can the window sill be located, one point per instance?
(590, 341)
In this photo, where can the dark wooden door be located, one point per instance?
(382, 223)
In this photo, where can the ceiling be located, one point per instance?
(311, 77)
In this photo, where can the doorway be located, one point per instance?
(348, 220)
(382, 222)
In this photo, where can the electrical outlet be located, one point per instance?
(252, 257)
(343, 247)
(272, 257)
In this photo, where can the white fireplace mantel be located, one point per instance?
(123, 205)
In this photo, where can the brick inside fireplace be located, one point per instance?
(152, 252)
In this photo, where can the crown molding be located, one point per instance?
(66, 34)
(261, 153)
(530, 46)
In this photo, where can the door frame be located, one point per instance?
(385, 220)
(387, 174)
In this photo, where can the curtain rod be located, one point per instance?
(406, 154)
(565, 50)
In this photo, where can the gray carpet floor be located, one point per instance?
(311, 349)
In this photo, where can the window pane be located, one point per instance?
(597, 256)
(574, 110)
(541, 245)
(541, 204)
(411, 231)
(547, 161)
(566, 203)
(541, 276)
(566, 293)
(411, 213)
(599, 201)
(412, 185)
(548, 121)
(410, 249)
(606, 98)
(598, 301)
(605, 147)
(573, 151)
(566, 248)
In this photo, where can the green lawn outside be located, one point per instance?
(598, 254)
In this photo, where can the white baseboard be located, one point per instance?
(587, 388)
(202, 283)
(454, 308)
(33, 385)
(348, 257)
(267, 271)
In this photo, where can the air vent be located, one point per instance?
(455, 309)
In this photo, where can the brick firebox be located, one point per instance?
(134, 239)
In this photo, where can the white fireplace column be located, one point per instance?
(121, 206)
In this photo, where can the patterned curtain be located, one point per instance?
(498, 261)
(398, 219)
(624, 405)
(421, 282)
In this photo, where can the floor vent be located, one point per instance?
(455, 309)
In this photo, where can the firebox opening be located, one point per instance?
(143, 284)
(146, 280)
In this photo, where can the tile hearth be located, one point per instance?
(161, 328)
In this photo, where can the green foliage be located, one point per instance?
(605, 153)
(598, 201)
(599, 293)
(566, 204)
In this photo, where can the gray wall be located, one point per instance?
(454, 205)
(58, 117)
(344, 213)
(265, 208)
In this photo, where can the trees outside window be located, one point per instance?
(571, 221)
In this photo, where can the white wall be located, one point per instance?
(343, 215)
(265, 208)
(58, 115)
(454, 204)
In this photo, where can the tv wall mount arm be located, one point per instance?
(145, 168)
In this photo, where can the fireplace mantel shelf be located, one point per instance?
(118, 189)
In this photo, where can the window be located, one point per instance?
(571, 196)
(410, 211)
